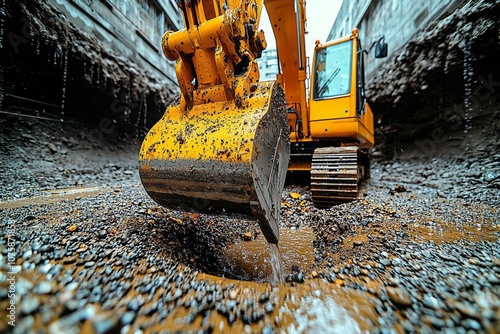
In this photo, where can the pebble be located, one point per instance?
(29, 305)
(398, 297)
(128, 318)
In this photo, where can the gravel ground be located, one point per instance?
(417, 252)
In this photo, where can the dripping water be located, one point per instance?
(65, 75)
(92, 73)
(124, 94)
(145, 114)
(128, 98)
(55, 58)
(278, 270)
(468, 74)
(98, 74)
(2, 22)
(138, 117)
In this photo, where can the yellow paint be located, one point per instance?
(335, 118)
(217, 131)
(209, 47)
(290, 43)
(222, 111)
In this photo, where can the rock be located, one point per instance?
(233, 294)
(106, 322)
(43, 287)
(52, 147)
(128, 318)
(72, 228)
(71, 323)
(398, 297)
(29, 305)
(248, 236)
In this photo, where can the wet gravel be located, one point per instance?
(42, 155)
(417, 252)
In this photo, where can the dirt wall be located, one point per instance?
(51, 68)
(442, 86)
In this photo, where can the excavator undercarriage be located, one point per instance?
(336, 174)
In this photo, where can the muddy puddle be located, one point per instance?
(99, 274)
(251, 260)
(313, 307)
(449, 232)
(54, 195)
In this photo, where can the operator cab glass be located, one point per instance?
(332, 71)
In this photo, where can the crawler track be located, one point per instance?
(336, 173)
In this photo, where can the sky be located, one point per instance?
(320, 18)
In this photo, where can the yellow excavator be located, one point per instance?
(228, 141)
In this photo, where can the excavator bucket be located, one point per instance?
(221, 156)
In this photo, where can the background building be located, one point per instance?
(97, 61)
(398, 21)
(268, 64)
(132, 29)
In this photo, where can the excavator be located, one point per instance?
(228, 140)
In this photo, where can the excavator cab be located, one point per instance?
(340, 123)
(338, 108)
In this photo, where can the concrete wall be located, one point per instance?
(132, 29)
(397, 20)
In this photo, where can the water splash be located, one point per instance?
(252, 260)
(277, 264)
(321, 314)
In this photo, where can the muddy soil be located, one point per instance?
(86, 250)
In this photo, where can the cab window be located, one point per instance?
(332, 70)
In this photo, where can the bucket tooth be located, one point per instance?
(221, 156)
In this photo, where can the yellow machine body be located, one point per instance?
(342, 115)
(224, 144)
(339, 118)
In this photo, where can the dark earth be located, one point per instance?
(85, 250)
